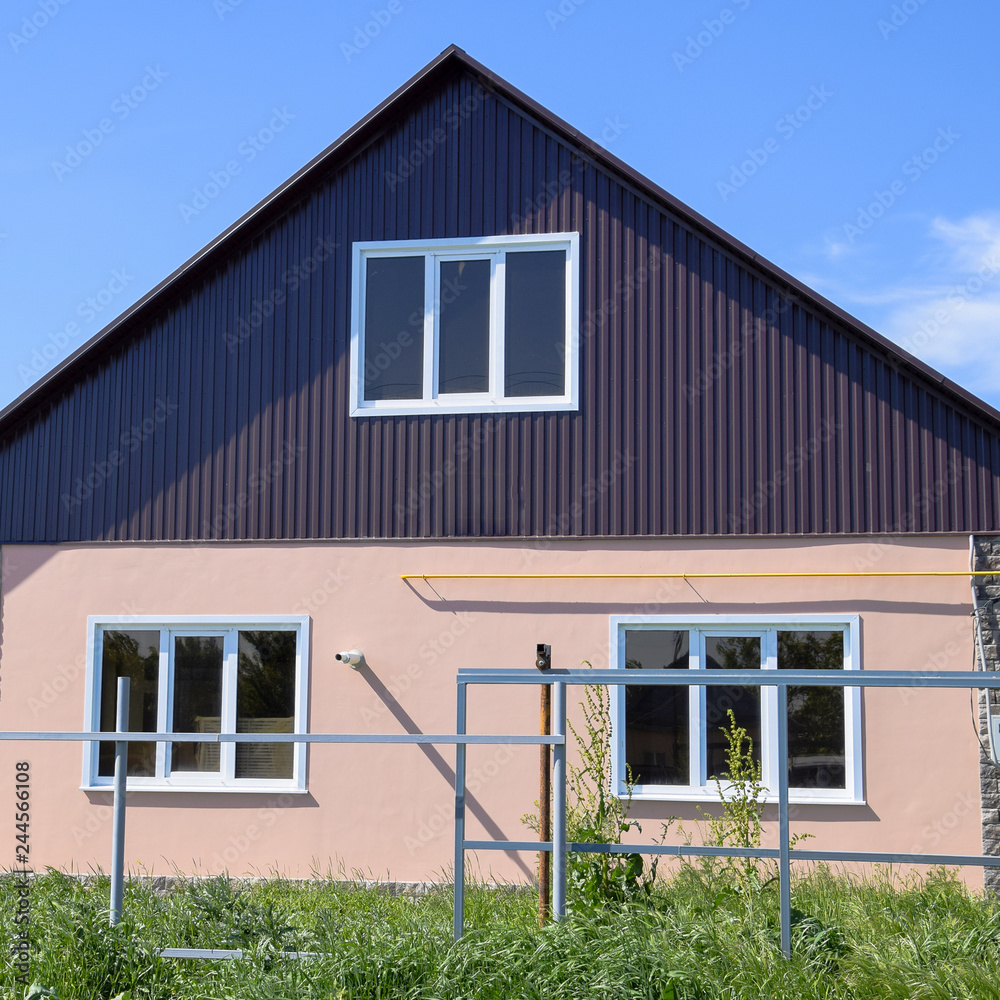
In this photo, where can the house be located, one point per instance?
(466, 339)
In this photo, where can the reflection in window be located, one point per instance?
(731, 653)
(817, 756)
(265, 702)
(197, 700)
(673, 738)
(658, 725)
(135, 655)
(201, 675)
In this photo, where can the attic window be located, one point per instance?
(460, 326)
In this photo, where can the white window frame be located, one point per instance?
(229, 626)
(433, 252)
(766, 626)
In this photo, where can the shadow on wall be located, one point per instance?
(443, 767)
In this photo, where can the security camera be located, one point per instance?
(352, 657)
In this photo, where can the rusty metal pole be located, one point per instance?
(543, 660)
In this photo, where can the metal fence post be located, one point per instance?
(544, 805)
(559, 803)
(784, 858)
(118, 818)
(460, 814)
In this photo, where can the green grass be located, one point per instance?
(698, 937)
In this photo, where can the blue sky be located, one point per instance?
(855, 145)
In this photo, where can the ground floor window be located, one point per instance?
(195, 674)
(671, 738)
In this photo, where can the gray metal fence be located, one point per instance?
(780, 679)
(560, 680)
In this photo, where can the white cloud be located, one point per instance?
(972, 240)
(950, 331)
(948, 313)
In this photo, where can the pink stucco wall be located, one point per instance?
(387, 811)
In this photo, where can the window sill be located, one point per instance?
(218, 789)
(699, 796)
(417, 407)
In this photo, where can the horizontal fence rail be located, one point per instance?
(776, 678)
(162, 737)
(121, 739)
(741, 678)
(558, 846)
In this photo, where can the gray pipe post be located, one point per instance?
(784, 856)
(118, 818)
(559, 802)
(460, 814)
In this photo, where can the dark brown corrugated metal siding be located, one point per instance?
(711, 402)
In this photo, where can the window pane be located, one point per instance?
(730, 652)
(135, 655)
(657, 719)
(464, 339)
(197, 700)
(265, 702)
(816, 742)
(394, 328)
(535, 323)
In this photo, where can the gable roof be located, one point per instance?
(451, 62)
(718, 395)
